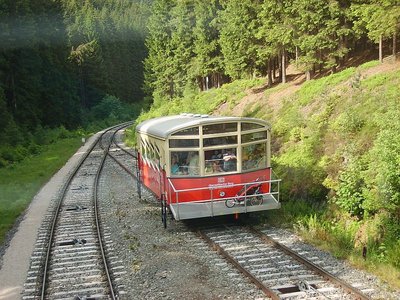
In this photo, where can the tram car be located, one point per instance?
(204, 166)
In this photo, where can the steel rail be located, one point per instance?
(118, 162)
(57, 210)
(96, 210)
(325, 274)
(233, 261)
(97, 217)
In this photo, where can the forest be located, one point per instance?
(203, 44)
(66, 65)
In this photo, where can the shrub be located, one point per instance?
(349, 195)
(383, 176)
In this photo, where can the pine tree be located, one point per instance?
(206, 66)
(275, 33)
(182, 20)
(238, 23)
(319, 28)
(158, 75)
(379, 19)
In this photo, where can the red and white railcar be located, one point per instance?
(204, 166)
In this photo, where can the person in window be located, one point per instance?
(174, 165)
(193, 160)
(216, 155)
(216, 167)
(229, 161)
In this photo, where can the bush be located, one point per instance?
(349, 195)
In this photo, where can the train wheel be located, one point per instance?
(257, 200)
(230, 203)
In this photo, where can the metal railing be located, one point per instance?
(273, 190)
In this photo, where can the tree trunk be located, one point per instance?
(380, 49)
(280, 67)
(308, 75)
(394, 45)
(269, 73)
(283, 66)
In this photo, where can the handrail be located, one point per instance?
(220, 185)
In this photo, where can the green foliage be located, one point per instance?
(32, 143)
(349, 195)
(383, 176)
(238, 41)
(379, 18)
(20, 182)
(315, 89)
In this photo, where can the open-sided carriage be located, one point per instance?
(205, 166)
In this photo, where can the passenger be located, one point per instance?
(208, 169)
(229, 161)
(193, 159)
(216, 167)
(174, 165)
(216, 155)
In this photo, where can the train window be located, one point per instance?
(188, 131)
(183, 143)
(221, 140)
(219, 128)
(185, 163)
(254, 156)
(223, 160)
(251, 126)
(255, 136)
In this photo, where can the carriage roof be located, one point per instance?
(163, 127)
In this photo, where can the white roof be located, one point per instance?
(163, 127)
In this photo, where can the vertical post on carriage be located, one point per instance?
(138, 179)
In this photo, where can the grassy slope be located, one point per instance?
(19, 183)
(319, 128)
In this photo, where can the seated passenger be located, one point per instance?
(193, 159)
(229, 162)
(216, 167)
(174, 165)
(216, 155)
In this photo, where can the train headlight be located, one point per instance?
(221, 193)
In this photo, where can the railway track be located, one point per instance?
(73, 257)
(278, 271)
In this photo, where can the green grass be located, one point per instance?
(20, 182)
(318, 88)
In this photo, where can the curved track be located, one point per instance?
(72, 258)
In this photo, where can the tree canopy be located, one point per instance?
(247, 38)
(60, 58)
